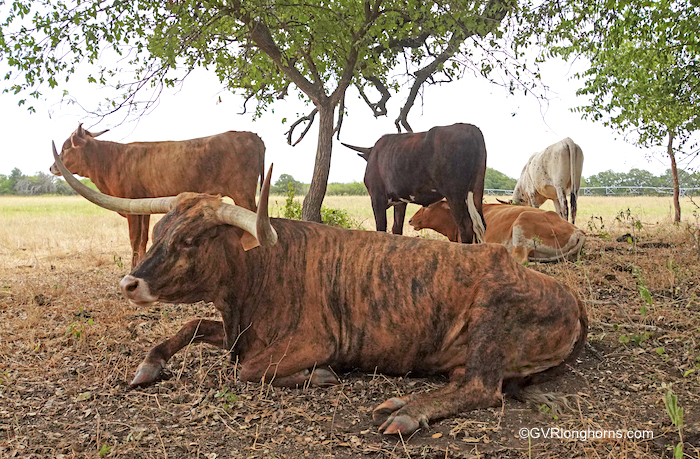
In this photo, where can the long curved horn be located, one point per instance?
(144, 206)
(267, 236)
(364, 151)
(97, 134)
(256, 224)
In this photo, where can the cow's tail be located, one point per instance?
(575, 175)
(477, 222)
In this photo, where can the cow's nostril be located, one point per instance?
(131, 286)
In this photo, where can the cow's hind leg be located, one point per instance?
(460, 213)
(475, 385)
(399, 217)
(138, 234)
(562, 206)
(379, 206)
(194, 331)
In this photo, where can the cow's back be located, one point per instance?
(228, 164)
(349, 287)
(552, 167)
(499, 221)
(443, 158)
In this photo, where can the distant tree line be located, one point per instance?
(494, 180)
(42, 183)
(642, 178)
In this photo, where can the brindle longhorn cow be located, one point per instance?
(312, 298)
(424, 167)
(228, 164)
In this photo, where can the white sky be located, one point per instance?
(514, 126)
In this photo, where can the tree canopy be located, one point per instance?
(264, 50)
(644, 74)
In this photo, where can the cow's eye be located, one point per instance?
(189, 242)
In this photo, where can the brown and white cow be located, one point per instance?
(424, 167)
(312, 298)
(527, 232)
(228, 164)
(551, 174)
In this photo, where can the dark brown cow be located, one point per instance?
(312, 298)
(445, 162)
(527, 232)
(228, 164)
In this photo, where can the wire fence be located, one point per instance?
(615, 191)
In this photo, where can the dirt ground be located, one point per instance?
(70, 343)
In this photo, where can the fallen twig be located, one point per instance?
(653, 328)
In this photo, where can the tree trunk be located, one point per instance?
(311, 210)
(676, 185)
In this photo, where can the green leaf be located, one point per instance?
(84, 396)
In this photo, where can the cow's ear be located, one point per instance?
(248, 241)
(77, 140)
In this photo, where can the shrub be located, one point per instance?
(329, 216)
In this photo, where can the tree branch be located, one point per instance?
(378, 108)
(260, 34)
(371, 15)
(421, 76)
(493, 14)
(341, 113)
(290, 132)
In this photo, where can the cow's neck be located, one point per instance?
(107, 164)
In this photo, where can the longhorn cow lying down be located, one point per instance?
(312, 298)
(529, 233)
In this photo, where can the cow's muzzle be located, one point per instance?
(137, 291)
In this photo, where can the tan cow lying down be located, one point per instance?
(528, 233)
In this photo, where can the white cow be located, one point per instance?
(551, 174)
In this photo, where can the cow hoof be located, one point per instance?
(322, 377)
(401, 424)
(146, 373)
(383, 411)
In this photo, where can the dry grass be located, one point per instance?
(70, 343)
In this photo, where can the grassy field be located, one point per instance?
(35, 227)
(70, 342)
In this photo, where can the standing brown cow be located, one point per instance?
(228, 164)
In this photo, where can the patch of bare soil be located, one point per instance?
(70, 343)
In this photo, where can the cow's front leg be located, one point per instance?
(194, 331)
(289, 363)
